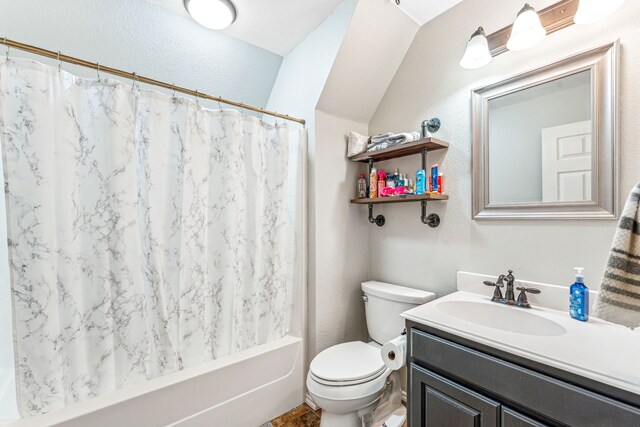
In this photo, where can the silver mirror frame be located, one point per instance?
(603, 64)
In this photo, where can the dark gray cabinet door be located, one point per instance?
(511, 418)
(438, 402)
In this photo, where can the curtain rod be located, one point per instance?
(138, 78)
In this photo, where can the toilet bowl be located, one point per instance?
(347, 380)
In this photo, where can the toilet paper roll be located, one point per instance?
(394, 352)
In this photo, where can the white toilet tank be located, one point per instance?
(383, 305)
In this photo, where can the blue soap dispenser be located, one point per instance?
(579, 297)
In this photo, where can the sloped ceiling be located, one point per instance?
(373, 48)
(275, 25)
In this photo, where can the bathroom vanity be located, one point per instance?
(517, 367)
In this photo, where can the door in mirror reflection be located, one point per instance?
(566, 163)
(540, 143)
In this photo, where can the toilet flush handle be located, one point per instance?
(365, 298)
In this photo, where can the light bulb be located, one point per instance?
(213, 14)
(477, 53)
(527, 31)
(594, 10)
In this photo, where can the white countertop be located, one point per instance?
(596, 349)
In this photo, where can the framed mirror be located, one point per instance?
(545, 142)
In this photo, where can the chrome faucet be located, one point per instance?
(509, 296)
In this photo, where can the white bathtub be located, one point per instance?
(241, 390)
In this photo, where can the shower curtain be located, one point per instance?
(146, 233)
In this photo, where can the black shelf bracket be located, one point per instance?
(432, 220)
(379, 220)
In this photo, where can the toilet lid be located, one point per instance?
(351, 361)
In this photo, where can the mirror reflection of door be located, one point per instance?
(566, 162)
(523, 167)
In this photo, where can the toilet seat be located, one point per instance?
(347, 364)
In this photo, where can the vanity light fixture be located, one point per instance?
(527, 31)
(594, 10)
(477, 53)
(530, 27)
(212, 14)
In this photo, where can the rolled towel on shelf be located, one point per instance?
(380, 138)
(618, 300)
(405, 137)
(386, 140)
(383, 145)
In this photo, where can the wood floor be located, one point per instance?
(302, 416)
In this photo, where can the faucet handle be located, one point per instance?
(530, 290)
(489, 283)
(522, 296)
(497, 293)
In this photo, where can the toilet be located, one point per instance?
(347, 380)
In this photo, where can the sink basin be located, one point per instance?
(503, 317)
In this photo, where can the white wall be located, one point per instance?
(340, 238)
(296, 91)
(378, 36)
(431, 83)
(335, 79)
(136, 36)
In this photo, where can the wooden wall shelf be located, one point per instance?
(430, 144)
(401, 199)
(421, 146)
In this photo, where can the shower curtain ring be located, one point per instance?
(59, 62)
(98, 72)
(219, 104)
(133, 81)
(173, 90)
(8, 48)
(196, 97)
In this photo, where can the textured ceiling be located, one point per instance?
(275, 25)
(280, 25)
(423, 11)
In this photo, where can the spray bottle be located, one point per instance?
(373, 184)
(382, 181)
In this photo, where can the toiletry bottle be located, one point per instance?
(392, 181)
(434, 177)
(421, 177)
(382, 180)
(440, 182)
(579, 297)
(361, 188)
(373, 183)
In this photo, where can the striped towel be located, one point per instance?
(619, 297)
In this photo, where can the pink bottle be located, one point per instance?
(382, 180)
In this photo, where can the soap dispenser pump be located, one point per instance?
(579, 297)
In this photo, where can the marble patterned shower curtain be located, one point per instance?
(146, 233)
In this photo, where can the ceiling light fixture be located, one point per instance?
(477, 53)
(212, 14)
(527, 31)
(594, 10)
